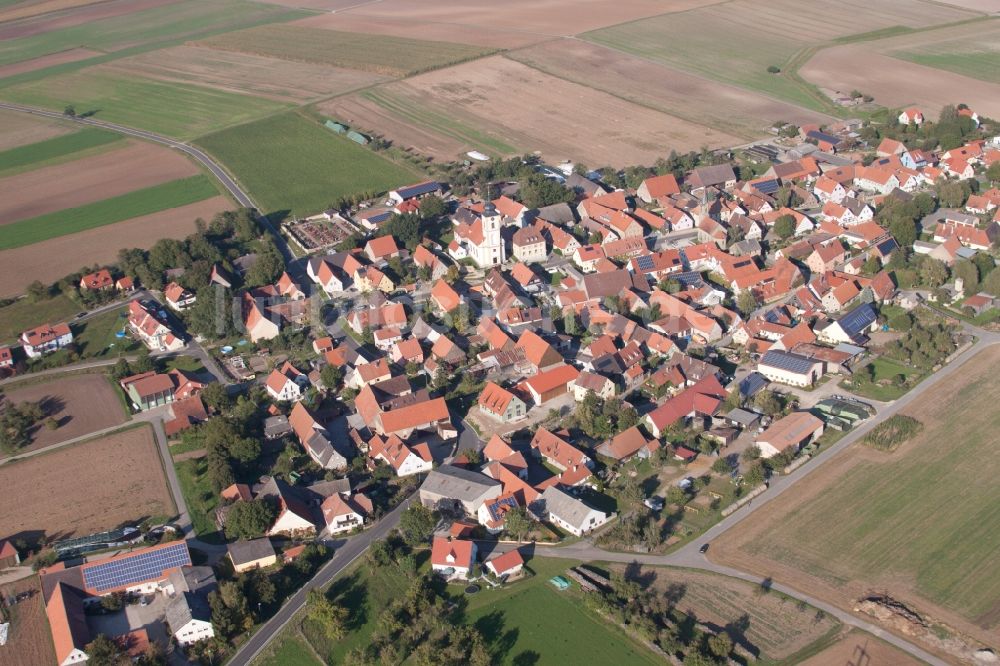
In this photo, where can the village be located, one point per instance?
(540, 355)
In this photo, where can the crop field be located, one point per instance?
(470, 102)
(108, 211)
(24, 10)
(921, 524)
(28, 639)
(391, 56)
(122, 476)
(54, 150)
(292, 163)
(178, 110)
(773, 627)
(52, 259)
(971, 50)
(126, 167)
(736, 42)
(18, 129)
(144, 24)
(727, 108)
(80, 404)
(273, 78)
(46, 61)
(860, 647)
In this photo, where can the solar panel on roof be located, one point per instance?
(752, 384)
(645, 262)
(857, 319)
(786, 361)
(135, 568)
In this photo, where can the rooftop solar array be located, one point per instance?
(887, 246)
(645, 262)
(858, 319)
(137, 567)
(787, 361)
(752, 383)
(767, 186)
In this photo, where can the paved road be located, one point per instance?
(350, 550)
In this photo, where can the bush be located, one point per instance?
(892, 432)
(773, 69)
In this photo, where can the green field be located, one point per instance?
(735, 42)
(108, 211)
(95, 338)
(885, 370)
(977, 60)
(198, 495)
(292, 163)
(55, 150)
(178, 110)
(24, 314)
(290, 651)
(149, 28)
(394, 56)
(923, 521)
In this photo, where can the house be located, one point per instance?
(188, 612)
(444, 297)
(453, 558)
(369, 373)
(381, 248)
(315, 439)
(788, 368)
(151, 389)
(493, 513)
(424, 258)
(567, 512)
(177, 297)
(591, 382)
(558, 452)
(152, 327)
(851, 327)
(457, 490)
(911, 115)
(6, 358)
(46, 339)
(286, 384)
(549, 384)
(405, 459)
(719, 175)
(407, 351)
(68, 624)
(183, 414)
(343, 514)
(789, 433)
(588, 256)
(825, 257)
(258, 324)
(539, 354)
(628, 444)
(9, 556)
(251, 554)
(528, 244)
(506, 564)
(98, 281)
(655, 187)
(978, 303)
(295, 517)
(500, 404)
(701, 400)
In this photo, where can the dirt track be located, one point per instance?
(51, 260)
(80, 403)
(122, 169)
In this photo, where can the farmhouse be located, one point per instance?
(457, 490)
(151, 389)
(188, 613)
(315, 439)
(591, 382)
(506, 564)
(655, 187)
(851, 327)
(295, 517)
(46, 339)
(417, 191)
(792, 432)
(382, 248)
(567, 512)
(558, 452)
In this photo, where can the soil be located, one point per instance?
(93, 10)
(28, 640)
(120, 170)
(898, 83)
(80, 403)
(50, 60)
(52, 259)
(118, 479)
(858, 647)
(20, 129)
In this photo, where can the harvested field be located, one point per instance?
(50, 260)
(20, 129)
(24, 10)
(92, 11)
(80, 403)
(970, 50)
(57, 150)
(920, 524)
(390, 56)
(132, 166)
(859, 647)
(897, 83)
(723, 107)
(563, 120)
(51, 60)
(120, 476)
(175, 109)
(776, 628)
(28, 640)
(476, 35)
(736, 42)
(260, 76)
(542, 17)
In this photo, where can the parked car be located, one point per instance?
(704, 548)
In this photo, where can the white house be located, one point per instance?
(345, 514)
(405, 459)
(567, 512)
(788, 368)
(46, 339)
(286, 384)
(453, 558)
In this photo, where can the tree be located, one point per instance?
(215, 397)
(268, 267)
(257, 585)
(773, 69)
(230, 611)
(720, 645)
(768, 402)
(747, 301)
(69, 110)
(755, 475)
(432, 206)
(537, 191)
(784, 226)
(952, 194)
(933, 272)
(249, 520)
(750, 453)
(968, 273)
(518, 523)
(104, 651)
(416, 523)
(329, 615)
(872, 264)
(721, 466)
(331, 376)
(993, 173)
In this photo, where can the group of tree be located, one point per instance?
(16, 424)
(600, 418)
(105, 651)
(250, 520)
(923, 345)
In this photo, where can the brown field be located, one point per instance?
(776, 628)
(80, 403)
(28, 640)
(23, 10)
(917, 524)
(132, 166)
(896, 82)
(699, 100)
(989, 6)
(96, 485)
(857, 648)
(559, 119)
(416, 28)
(52, 259)
(19, 129)
(50, 60)
(273, 78)
(90, 11)
(554, 18)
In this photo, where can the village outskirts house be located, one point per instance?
(286, 384)
(567, 512)
(453, 558)
(246, 555)
(46, 339)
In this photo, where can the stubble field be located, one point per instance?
(921, 524)
(119, 475)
